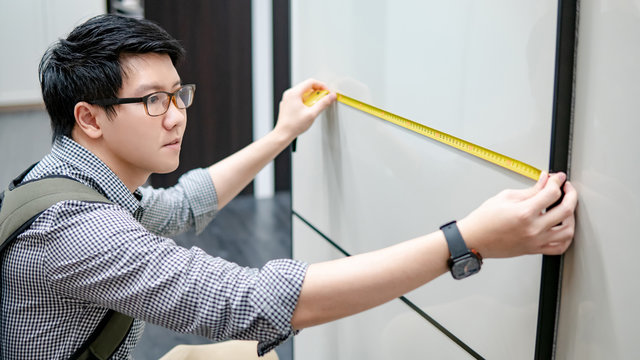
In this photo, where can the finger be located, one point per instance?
(559, 178)
(310, 84)
(531, 191)
(561, 236)
(323, 103)
(564, 210)
(549, 194)
(558, 238)
(557, 248)
(565, 228)
(570, 195)
(319, 85)
(542, 180)
(569, 189)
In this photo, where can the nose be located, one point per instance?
(174, 117)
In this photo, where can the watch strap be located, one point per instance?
(457, 246)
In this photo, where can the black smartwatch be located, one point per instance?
(463, 262)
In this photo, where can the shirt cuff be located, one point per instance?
(277, 300)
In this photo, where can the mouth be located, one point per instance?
(173, 143)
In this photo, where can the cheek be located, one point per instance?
(128, 137)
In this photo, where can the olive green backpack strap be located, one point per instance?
(20, 205)
(106, 338)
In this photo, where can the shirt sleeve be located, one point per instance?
(190, 204)
(101, 255)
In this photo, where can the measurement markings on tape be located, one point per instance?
(491, 156)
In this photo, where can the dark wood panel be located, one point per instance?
(281, 82)
(217, 37)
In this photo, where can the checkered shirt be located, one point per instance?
(79, 259)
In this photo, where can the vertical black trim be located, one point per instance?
(283, 177)
(281, 82)
(551, 276)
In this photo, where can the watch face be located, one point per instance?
(465, 266)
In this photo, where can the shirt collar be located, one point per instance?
(100, 175)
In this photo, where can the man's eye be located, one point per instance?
(153, 99)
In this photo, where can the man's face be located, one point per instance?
(138, 144)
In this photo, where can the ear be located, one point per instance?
(87, 119)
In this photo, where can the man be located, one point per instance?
(118, 113)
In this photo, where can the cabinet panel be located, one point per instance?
(479, 71)
(390, 331)
(598, 313)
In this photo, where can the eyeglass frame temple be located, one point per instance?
(143, 100)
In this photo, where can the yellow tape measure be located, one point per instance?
(311, 97)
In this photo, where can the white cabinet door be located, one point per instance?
(482, 71)
(390, 331)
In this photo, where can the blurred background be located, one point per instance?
(237, 54)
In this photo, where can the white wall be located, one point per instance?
(25, 137)
(262, 87)
(482, 71)
(599, 316)
(27, 28)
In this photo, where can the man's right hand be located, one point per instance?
(516, 222)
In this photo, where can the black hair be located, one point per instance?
(86, 65)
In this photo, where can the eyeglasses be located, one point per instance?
(157, 103)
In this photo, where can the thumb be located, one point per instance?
(542, 181)
(530, 192)
(324, 103)
(550, 193)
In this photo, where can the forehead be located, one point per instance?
(144, 72)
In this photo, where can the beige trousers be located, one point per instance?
(227, 350)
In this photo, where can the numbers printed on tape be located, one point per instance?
(312, 96)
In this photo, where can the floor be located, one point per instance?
(247, 231)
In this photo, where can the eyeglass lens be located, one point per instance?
(158, 103)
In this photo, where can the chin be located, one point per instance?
(167, 168)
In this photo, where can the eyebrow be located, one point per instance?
(154, 87)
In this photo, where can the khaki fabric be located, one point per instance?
(227, 350)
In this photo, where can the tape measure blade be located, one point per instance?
(442, 137)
